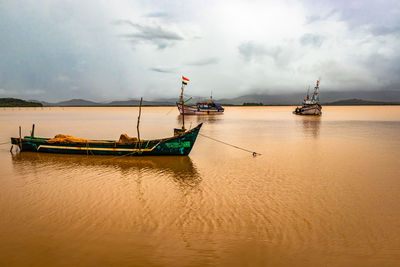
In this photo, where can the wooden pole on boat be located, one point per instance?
(138, 119)
(183, 108)
(33, 130)
(20, 139)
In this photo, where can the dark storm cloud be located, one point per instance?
(153, 34)
(317, 17)
(358, 13)
(312, 39)
(313, 18)
(162, 70)
(384, 30)
(204, 62)
(123, 22)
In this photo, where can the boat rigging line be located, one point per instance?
(225, 143)
(174, 107)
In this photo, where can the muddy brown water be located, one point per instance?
(325, 192)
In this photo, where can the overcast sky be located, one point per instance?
(112, 50)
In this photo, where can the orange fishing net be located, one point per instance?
(126, 139)
(62, 138)
(68, 139)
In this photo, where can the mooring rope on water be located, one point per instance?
(170, 110)
(225, 143)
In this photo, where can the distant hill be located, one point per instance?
(134, 102)
(87, 103)
(76, 103)
(297, 98)
(268, 99)
(359, 102)
(14, 102)
(252, 104)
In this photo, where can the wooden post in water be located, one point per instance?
(33, 130)
(138, 120)
(20, 139)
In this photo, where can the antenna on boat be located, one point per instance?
(138, 119)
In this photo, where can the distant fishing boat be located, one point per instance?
(311, 106)
(180, 144)
(201, 108)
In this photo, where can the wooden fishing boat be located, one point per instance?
(179, 144)
(201, 108)
(311, 106)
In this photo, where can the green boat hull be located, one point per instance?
(180, 145)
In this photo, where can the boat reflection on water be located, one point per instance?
(194, 120)
(311, 125)
(181, 168)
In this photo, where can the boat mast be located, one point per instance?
(316, 92)
(183, 107)
(138, 119)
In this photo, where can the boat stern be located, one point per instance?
(181, 144)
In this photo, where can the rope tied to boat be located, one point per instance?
(225, 143)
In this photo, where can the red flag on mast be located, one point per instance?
(184, 80)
